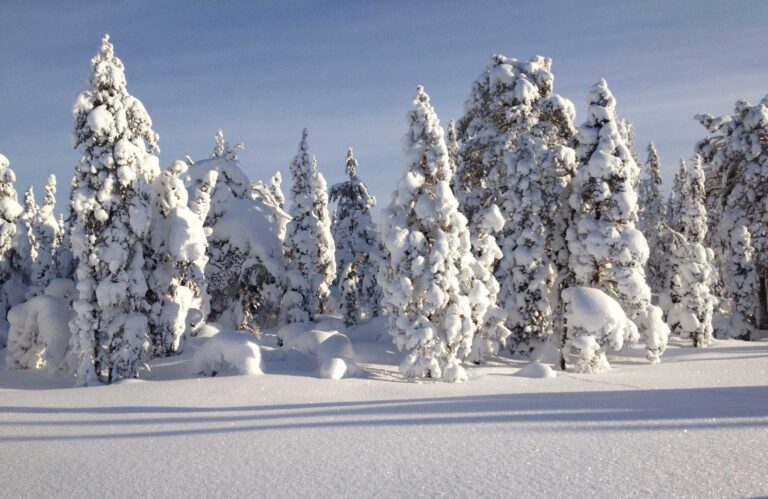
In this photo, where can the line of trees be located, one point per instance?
(491, 232)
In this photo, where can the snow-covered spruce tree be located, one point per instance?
(12, 287)
(428, 256)
(309, 246)
(488, 316)
(687, 300)
(223, 149)
(358, 251)
(651, 214)
(453, 148)
(47, 236)
(737, 154)
(112, 211)
(516, 153)
(25, 243)
(606, 251)
(674, 199)
(179, 240)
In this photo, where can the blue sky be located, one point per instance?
(347, 71)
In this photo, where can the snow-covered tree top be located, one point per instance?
(351, 164)
(223, 149)
(423, 144)
(106, 112)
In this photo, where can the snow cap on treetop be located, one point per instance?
(351, 166)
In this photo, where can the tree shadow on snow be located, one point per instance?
(599, 411)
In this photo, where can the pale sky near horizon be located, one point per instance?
(347, 71)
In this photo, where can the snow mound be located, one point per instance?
(594, 322)
(537, 370)
(333, 350)
(228, 352)
(39, 334)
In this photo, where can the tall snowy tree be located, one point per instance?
(606, 251)
(309, 246)
(112, 210)
(675, 200)
(427, 250)
(737, 153)
(46, 234)
(651, 214)
(358, 251)
(453, 148)
(687, 300)
(12, 287)
(516, 153)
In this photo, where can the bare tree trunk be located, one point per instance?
(762, 312)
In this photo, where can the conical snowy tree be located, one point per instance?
(112, 210)
(737, 153)
(427, 256)
(675, 200)
(453, 147)
(606, 251)
(26, 244)
(12, 287)
(275, 188)
(651, 214)
(358, 251)
(309, 246)
(46, 234)
(687, 300)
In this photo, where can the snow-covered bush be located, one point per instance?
(594, 323)
(737, 155)
(112, 207)
(358, 251)
(651, 214)
(428, 256)
(687, 300)
(12, 233)
(245, 273)
(39, 334)
(606, 251)
(228, 352)
(309, 246)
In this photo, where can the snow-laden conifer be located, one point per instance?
(738, 156)
(687, 299)
(454, 150)
(674, 200)
(427, 246)
(47, 236)
(112, 211)
(651, 214)
(245, 273)
(606, 251)
(515, 152)
(12, 287)
(358, 251)
(488, 315)
(179, 240)
(309, 246)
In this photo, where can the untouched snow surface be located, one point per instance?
(695, 425)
